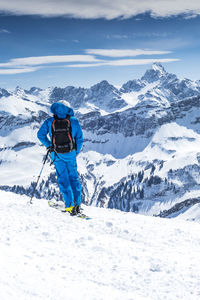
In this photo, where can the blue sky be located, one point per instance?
(82, 47)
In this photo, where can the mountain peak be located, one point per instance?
(19, 91)
(34, 90)
(103, 83)
(158, 67)
(103, 86)
(4, 93)
(156, 72)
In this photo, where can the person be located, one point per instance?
(64, 161)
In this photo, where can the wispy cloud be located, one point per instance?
(124, 52)
(2, 30)
(191, 16)
(138, 34)
(147, 34)
(43, 60)
(125, 62)
(32, 64)
(17, 71)
(100, 8)
(168, 43)
(27, 64)
(116, 36)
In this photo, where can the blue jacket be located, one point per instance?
(44, 134)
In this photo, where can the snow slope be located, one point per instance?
(49, 255)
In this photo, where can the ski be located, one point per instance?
(83, 216)
(56, 205)
(60, 207)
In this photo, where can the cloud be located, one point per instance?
(168, 43)
(31, 64)
(124, 52)
(26, 64)
(100, 8)
(116, 36)
(2, 30)
(42, 60)
(125, 62)
(17, 71)
(191, 16)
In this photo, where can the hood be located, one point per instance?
(61, 110)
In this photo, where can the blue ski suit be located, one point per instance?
(65, 163)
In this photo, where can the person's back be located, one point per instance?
(63, 153)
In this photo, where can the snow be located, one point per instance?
(116, 144)
(158, 67)
(192, 214)
(45, 94)
(92, 107)
(132, 99)
(105, 168)
(49, 255)
(18, 106)
(173, 143)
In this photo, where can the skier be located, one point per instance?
(66, 142)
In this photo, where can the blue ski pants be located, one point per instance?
(68, 179)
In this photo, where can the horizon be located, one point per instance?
(96, 83)
(63, 46)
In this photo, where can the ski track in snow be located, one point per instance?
(45, 254)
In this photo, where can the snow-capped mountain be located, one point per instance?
(141, 150)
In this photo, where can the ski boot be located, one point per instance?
(75, 211)
(69, 209)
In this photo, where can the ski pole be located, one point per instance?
(39, 176)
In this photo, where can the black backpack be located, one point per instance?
(62, 140)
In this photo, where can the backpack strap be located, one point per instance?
(70, 131)
(53, 133)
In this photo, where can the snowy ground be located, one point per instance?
(45, 254)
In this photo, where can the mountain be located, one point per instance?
(157, 72)
(100, 96)
(141, 150)
(46, 254)
(4, 93)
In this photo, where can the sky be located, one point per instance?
(49, 43)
